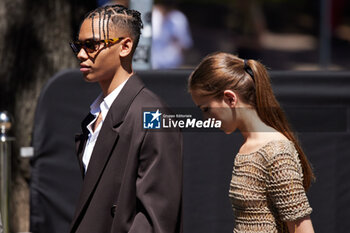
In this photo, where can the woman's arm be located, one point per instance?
(303, 225)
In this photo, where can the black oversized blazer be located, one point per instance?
(134, 180)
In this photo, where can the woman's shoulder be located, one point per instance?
(279, 146)
(282, 149)
(271, 149)
(268, 141)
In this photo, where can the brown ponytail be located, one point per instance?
(221, 71)
(272, 114)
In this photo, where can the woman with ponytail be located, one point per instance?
(271, 173)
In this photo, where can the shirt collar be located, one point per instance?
(103, 104)
(95, 106)
(109, 99)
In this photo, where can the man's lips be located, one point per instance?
(84, 68)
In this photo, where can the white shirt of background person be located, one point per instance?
(170, 36)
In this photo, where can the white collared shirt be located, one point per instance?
(99, 105)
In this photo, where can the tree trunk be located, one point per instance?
(34, 38)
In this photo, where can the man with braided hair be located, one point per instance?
(132, 176)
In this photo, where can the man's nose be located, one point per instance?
(82, 55)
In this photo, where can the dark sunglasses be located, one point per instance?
(91, 45)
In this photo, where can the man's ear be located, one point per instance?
(230, 98)
(126, 47)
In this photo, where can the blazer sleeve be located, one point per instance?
(159, 184)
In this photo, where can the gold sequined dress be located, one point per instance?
(267, 189)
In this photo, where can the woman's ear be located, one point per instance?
(126, 47)
(230, 98)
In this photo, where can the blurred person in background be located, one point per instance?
(171, 35)
(271, 172)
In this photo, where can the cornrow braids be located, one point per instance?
(103, 26)
(99, 25)
(109, 17)
(92, 26)
(116, 17)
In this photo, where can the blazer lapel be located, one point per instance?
(107, 139)
(80, 140)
